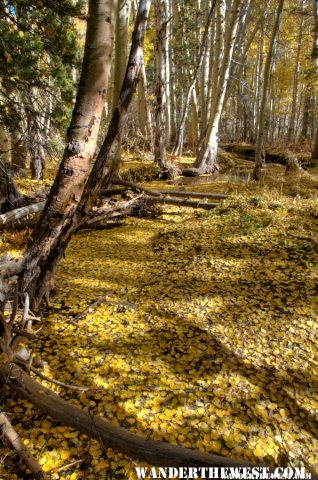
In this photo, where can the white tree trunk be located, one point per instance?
(161, 12)
(266, 83)
(207, 158)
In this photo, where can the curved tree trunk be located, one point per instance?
(81, 144)
(120, 439)
(68, 212)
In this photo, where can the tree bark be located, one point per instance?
(47, 250)
(266, 82)
(292, 122)
(81, 144)
(5, 154)
(160, 133)
(18, 213)
(36, 146)
(9, 193)
(180, 132)
(121, 54)
(145, 117)
(120, 439)
(207, 159)
(18, 155)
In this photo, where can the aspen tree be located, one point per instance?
(266, 81)
(207, 158)
(79, 151)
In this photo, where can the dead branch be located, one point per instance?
(120, 439)
(173, 193)
(91, 308)
(10, 266)
(98, 302)
(102, 214)
(186, 194)
(183, 203)
(21, 212)
(135, 188)
(17, 443)
(62, 384)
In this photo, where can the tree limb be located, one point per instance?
(18, 213)
(17, 443)
(120, 439)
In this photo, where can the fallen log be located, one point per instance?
(118, 438)
(178, 193)
(13, 215)
(105, 213)
(140, 189)
(183, 203)
(135, 188)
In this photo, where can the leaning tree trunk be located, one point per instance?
(81, 144)
(48, 249)
(266, 82)
(207, 159)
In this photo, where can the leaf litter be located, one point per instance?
(209, 339)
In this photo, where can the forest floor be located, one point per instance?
(207, 339)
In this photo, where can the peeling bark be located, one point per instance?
(38, 276)
(66, 212)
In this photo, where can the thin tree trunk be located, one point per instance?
(314, 56)
(266, 82)
(167, 73)
(315, 149)
(160, 133)
(45, 253)
(180, 133)
(292, 123)
(9, 193)
(145, 117)
(18, 155)
(121, 54)
(81, 144)
(207, 158)
(36, 150)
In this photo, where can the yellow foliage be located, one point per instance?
(209, 337)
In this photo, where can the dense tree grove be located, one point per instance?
(250, 72)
